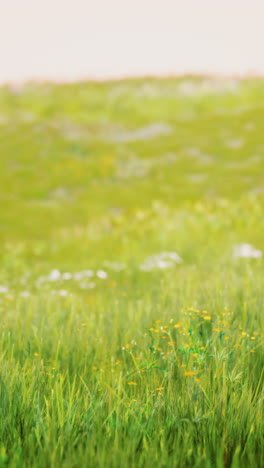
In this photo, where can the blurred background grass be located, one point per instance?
(124, 167)
(72, 152)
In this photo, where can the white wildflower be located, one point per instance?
(246, 251)
(40, 280)
(25, 294)
(88, 273)
(63, 292)
(66, 276)
(55, 275)
(78, 276)
(153, 130)
(3, 289)
(116, 266)
(235, 144)
(85, 285)
(101, 274)
(160, 261)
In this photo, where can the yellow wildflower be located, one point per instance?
(177, 325)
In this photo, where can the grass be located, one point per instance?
(113, 353)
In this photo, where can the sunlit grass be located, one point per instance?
(131, 279)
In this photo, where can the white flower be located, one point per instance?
(40, 280)
(144, 133)
(246, 251)
(88, 273)
(25, 294)
(63, 292)
(163, 264)
(101, 274)
(78, 276)
(161, 261)
(3, 289)
(234, 144)
(55, 275)
(66, 276)
(85, 285)
(116, 266)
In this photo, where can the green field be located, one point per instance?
(131, 274)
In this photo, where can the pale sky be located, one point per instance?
(74, 39)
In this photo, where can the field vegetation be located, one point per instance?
(131, 274)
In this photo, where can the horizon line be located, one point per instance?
(135, 76)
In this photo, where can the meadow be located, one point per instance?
(131, 274)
